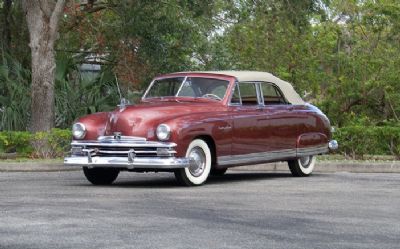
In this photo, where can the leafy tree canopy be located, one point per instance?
(340, 55)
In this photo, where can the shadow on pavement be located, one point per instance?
(170, 182)
(231, 177)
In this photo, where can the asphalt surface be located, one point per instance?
(239, 210)
(321, 166)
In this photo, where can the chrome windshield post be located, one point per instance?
(148, 89)
(180, 88)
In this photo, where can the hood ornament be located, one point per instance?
(117, 135)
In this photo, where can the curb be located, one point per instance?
(36, 167)
(321, 167)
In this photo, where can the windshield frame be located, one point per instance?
(185, 77)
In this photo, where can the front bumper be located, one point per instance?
(121, 162)
(125, 152)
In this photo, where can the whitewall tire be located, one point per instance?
(302, 166)
(199, 171)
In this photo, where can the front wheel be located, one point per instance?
(198, 172)
(302, 166)
(100, 176)
(218, 172)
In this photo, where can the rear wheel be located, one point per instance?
(302, 166)
(197, 173)
(101, 176)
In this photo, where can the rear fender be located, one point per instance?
(312, 143)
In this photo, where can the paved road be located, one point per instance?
(239, 210)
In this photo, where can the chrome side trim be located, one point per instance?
(309, 151)
(256, 157)
(272, 155)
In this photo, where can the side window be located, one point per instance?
(248, 92)
(272, 96)
(236, 96)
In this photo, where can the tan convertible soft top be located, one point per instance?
(252, 76)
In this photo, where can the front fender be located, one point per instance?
(187, 128)
(95, 124)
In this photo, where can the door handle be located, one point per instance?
(225, 127)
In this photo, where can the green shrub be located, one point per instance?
(38, 145)
(357, 141)
(51, 144)
(16, 141)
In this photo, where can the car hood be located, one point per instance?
(142, 119)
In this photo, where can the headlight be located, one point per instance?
(78, 130)
(163, 132)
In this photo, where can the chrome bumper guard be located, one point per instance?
(333, 145)
(125, 152)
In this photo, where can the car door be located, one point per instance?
(245, 109)
(279, 122)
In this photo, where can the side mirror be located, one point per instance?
(124, 102)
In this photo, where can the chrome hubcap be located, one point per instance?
(199, 158)
(305, 161)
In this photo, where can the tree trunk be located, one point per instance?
(42, 89)
(42, 18)
(7, 29)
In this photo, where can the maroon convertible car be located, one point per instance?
(199, 123)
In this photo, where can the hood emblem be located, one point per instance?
(117, 135)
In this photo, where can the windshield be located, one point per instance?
(188, 87)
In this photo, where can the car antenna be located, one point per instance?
(122, 101)
(119, 90)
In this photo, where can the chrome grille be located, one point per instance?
(124, 147)
(123, 151)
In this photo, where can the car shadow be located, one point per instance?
(230, 177)
(170, 182)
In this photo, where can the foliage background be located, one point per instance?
(342, 56)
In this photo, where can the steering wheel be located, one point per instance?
(212, 96)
